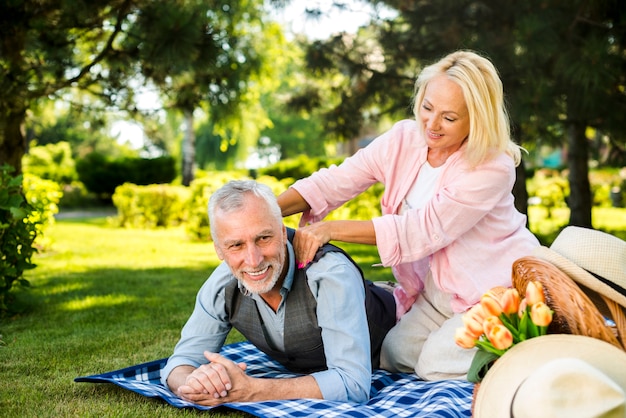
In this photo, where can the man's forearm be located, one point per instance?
(263, 389)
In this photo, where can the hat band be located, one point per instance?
(609, 283)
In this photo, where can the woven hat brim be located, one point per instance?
(496, 391)
(578, 274)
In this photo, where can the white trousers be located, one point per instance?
(423, 340)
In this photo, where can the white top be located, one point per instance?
(422, 189)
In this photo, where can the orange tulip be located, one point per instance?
(491, 322)
(522, 308)
(534, 293)
(510, 301)
(541, 314)
(490, 305)
(473, 323)
(478, 311)
(464, 338)
(500, 337)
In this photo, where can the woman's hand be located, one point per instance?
(308, 241)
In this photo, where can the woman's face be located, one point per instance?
(444, 115)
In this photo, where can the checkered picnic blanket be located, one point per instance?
(391, 394)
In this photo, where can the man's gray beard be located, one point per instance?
(266, 288)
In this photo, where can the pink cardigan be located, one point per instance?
(468, 235)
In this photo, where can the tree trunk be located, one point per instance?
(189, 149)
(579, 201)
(12, 138)
(519, 189)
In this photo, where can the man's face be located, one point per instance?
(252, 243)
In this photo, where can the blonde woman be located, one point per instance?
(449, 228)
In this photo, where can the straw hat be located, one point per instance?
(555, 375)
(592, 258)
(597, 262)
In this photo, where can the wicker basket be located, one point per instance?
(574, 312)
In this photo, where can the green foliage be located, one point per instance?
(52, 162)
(17, 234)
(157, 205)
(608, 187)
(44, 197)
(549, 189)
(197, 225)
(363, 207)
(101, 174)
(298, 167)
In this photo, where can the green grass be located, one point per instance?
(104, 298)
(607, 219)
(101, 299)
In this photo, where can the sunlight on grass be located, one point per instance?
(104, 298)
(96, 301)
(66, 288)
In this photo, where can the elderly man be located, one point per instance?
(322, 320)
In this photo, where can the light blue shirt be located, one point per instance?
(337, 286)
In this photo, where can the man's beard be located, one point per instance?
(264, 286)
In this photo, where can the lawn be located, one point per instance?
(104, 298)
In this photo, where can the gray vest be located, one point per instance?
(304, 348)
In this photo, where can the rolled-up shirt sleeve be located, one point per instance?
(337, 286)
(207, 327)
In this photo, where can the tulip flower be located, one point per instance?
(473, 323)
(510, 301)
(534, 293)
(541, 314)
(522, 308)
(478, 312)
(491, 322)
(490, 305)
(500, 337)
(464, 338)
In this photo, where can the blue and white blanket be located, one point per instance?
(391, 394)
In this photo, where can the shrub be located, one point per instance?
(156, 205)
(17, 235)
(201, 189)
(43, 196)
(297, 168)
(102, 174)
(51, 162)
(548, 189)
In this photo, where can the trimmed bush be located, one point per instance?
(197, 225)
(297, 168)
(156, 205)
(101, 174)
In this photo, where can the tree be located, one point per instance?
(205, 52)
(105, 47)
(562, 66)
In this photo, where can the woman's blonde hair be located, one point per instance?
(490, 131)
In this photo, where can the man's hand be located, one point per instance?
(211, 383)
(223, 381)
